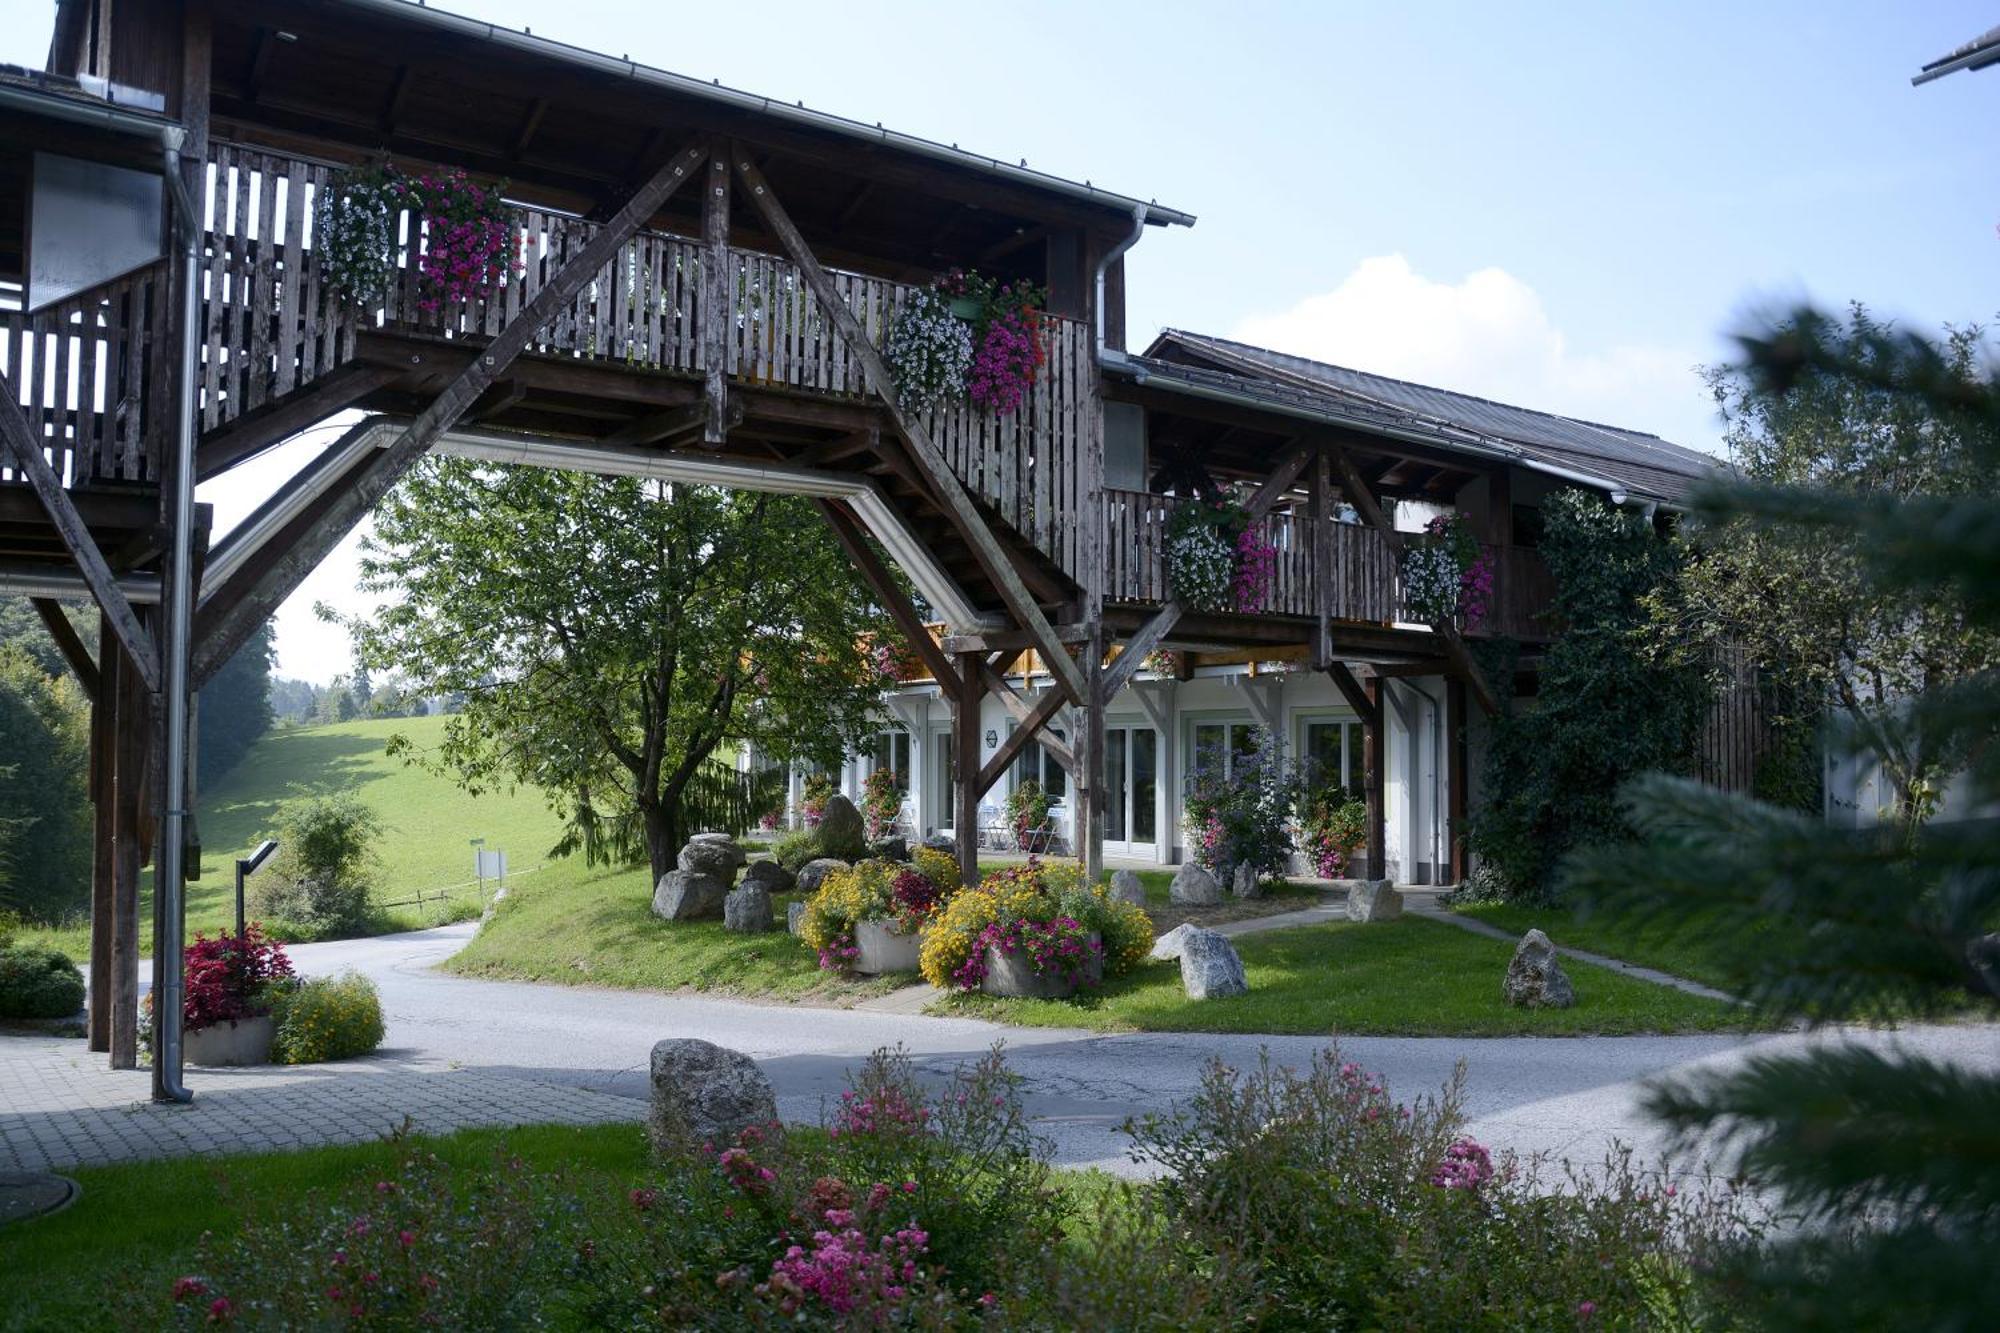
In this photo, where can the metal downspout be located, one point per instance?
(1112, 256)
(178, 597)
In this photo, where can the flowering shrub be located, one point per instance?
(929, 349)
(1008, 349)
(1041, 909)
(1256, 569)
(1333, 826)
(470, 243)
(325, 1018)
(1239, 807)
(881, 802)
(818, 790)
(229, 978)
(1161, 662)
(1411, 1223)
(904, 897)
(1027, 812)
(356, 232)
(1447, 573)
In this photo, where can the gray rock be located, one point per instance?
(814, 873)
(1167, 948)
(1127, 887)
(1210, 968)
(1984, 955)
(703, 1093)
(1535, 979)
(795, 913)
(687, 895)
(712, 854)
(890, 849)
(1374, 900)
(769, 876)
(747, 909)
(1243, 882)
(938, 842)
(841, 831)
(1194, 887)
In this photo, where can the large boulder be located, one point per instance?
(712, 854)
(747, 909)
(703, 1093)
(1535, 979)
(1210, 968)
(814, 873)
(688, 895)
(939, 842)
(768, 876)
(890, 849)
(1243, 881)
(1127, 887)
(795, 915)
(1167, 948)
(1374, 900)
(841, 832)
(1194, 887)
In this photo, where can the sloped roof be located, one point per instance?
(1642, 464)
(1978, 53)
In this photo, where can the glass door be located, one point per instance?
(1132, 789)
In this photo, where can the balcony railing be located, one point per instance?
(270, 325)
(1364, 583)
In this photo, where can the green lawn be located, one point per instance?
(595, 927)
(1407, 977)
(1680, 952)
(426, 822)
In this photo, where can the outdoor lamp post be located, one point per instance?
(247, 866)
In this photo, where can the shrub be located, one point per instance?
(1333, 826)
(1239, 811)
(228, 978)
(1042, 909)
(326, 1018)
(45, 828)
(1356, 1211)
(818, 790)
(906, 896)
(322, 876)
(38, 982)
(881, 802)
(795, 849)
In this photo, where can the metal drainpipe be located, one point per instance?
(1139, 214)
(178, 596)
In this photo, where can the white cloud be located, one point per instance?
(1490, 335)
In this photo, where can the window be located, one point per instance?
(944, 784)
(1224, 740)
(1037, 763)
(891, 750)
(1333, 749)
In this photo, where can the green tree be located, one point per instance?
(235, 708)
(1798, 597)
(44, 793)
(1606, 708)
(614, 639)
(1894, 1158)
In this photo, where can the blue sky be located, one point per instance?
(1562, 205)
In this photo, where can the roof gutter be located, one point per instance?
(1978, 58)
(733, 97)
(103, 116)
(1617, 492)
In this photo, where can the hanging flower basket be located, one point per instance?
(964, 337)
(356, 233)
(470, 243)
(1216, 559)
(1008, 351)
(1447, 574)
(929, 349)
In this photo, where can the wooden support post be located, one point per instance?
(1090, 772)
(133, 732)
(718, 297)
(1322, 561)
(1373, 750)
(103, 835)
(965, 760)
(992, 557)
(1455, 755)
(890, 594)
(20, 441)
(219, 641)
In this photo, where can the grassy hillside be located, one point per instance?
(426, 822)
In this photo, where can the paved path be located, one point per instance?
(465, 1052)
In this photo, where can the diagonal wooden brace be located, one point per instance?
(886, 590)
(992, 557)
(1025, 733)
(288, 570)
(75, 534)
(1022, 711)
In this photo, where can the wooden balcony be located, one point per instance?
(1366, 586)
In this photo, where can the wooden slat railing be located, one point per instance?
(269, 326)
(90, 373)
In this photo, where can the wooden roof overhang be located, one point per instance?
(574, 130)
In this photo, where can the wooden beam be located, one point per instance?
(70, 644)
(965, 759)
(104, 836)
(69, 525)
(1432, 667)
(530, 122)
(399, 93)
(289, 569)
(1458, 787)
(1374, 779)
(1022, 238)
(1008, 640)
(1024, 734)
(718, 295)
(659, 425)
(1286, 471)
(246, 437)
(1021, 710)
(1321, 517)
(1357, 696)
(890, 594)
(985, 546)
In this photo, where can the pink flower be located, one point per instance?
(1586, 1309)
(185, 1287)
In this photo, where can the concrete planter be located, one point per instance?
(242, 1041)
(882, 948)
(1014, 975)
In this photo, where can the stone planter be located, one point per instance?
(882, 948)
(242, 1041)
(1014, 975)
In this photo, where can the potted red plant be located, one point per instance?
(226, 1011)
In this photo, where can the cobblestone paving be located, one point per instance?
(60, 1107)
